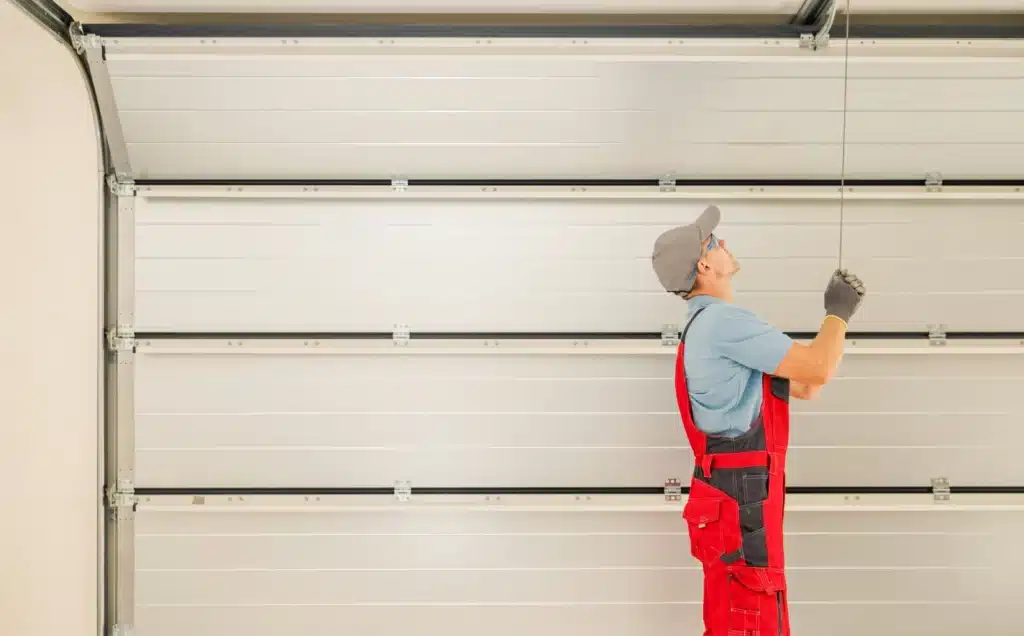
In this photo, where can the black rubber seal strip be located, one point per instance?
(467, 490)
(570, 182)
(266, 30)
(655, 31)
(555, 490)
(365, 335)
(539, 335)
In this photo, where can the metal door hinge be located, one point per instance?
(403, 490)
(940, 488)
(814, 41)
(933, 182)
(670, 335)
(121, 185)
(667, 184)
(82, 42)
(937, 335)
(122, 630)
(673, 490)
(399, 185)
(400, 336)
(121, 339)
(121, 496)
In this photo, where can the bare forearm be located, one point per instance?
(829, 344)
(815, 363)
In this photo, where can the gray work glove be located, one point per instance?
(843, 295)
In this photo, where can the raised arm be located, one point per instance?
(814, 365)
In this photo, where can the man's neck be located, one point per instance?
(711, 294)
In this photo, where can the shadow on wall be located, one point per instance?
(50, 326)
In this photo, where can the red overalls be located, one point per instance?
(734, 514)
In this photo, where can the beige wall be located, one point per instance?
(49, 347)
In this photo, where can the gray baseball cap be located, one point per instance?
(677, 251)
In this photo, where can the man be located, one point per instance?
(734, 377)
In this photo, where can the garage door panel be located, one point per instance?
(914, 161)
(957, 127)
(589, 160)
(327, 467)
(324, 587)
(921, 262)
(284, 570)
(535, 110)
(502, 548)
(936, 619)
(658, 585)
(584, 420)
(259, 264)
(237, 265)
(445, 128)
(582, 276)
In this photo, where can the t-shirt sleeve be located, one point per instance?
(741, 336)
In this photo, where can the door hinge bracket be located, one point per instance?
(670, 335)
(121, 497)
(933, 182)
(401, 335)
(121, 339)
(121, 185)
(673, 490)
(940, 489)
(667, 183)
(937, 335)
(403, 491)
(399, 185)
(82, 41)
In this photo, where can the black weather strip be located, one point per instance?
(494, 31)
(537, 335)
(583, 182)
(552, 490)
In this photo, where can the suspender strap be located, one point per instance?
(689, 323)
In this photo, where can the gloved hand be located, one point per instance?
(844, 294)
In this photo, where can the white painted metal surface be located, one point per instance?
(598, 567)
(235, 416)
(372, 108)
(435, 259)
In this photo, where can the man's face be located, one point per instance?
(721, 264)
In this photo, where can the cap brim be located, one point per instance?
(708, 221)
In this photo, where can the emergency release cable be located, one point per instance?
(846, 106)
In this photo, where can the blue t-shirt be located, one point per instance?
(727, 349)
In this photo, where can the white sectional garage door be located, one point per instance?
(400, 363)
